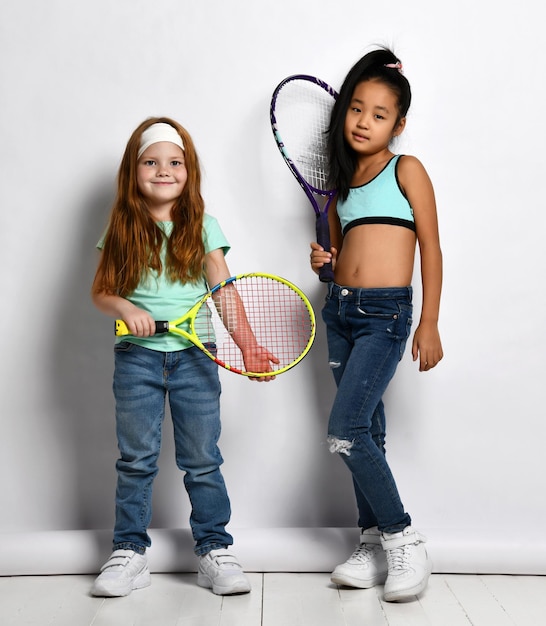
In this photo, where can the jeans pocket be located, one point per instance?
(123, 346)
(404, 327)
(379, 310)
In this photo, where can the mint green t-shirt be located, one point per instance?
(166, 300)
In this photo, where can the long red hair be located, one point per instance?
(133, 240)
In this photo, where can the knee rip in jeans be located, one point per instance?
(334, 364)
(341, 446)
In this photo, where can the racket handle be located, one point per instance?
(121, 329)
(326, 272)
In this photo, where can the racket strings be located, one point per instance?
(302, 112)
(256, 311)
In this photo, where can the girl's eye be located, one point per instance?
(149, 162)
(176, 163)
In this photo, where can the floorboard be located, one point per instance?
(523, 598)
(300, 599)
(277, 599)
(479, 603)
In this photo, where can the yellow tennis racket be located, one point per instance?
(254, 324)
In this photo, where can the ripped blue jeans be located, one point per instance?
(367, 330)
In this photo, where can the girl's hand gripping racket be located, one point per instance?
(300, 116)
(257, 325)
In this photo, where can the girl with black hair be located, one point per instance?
(385, 205)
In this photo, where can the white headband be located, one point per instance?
(159, 132)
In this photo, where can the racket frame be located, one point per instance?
(322, 228)
(190, 316)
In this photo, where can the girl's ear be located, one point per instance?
(399, 128)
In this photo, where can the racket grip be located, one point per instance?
(121, 329)
(326, 272)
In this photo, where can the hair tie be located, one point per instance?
(159, 132)
(395, 66)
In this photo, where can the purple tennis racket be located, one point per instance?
(300, 112)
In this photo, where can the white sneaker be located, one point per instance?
(124, 571)
(367, 566)
(220, 571)
(408, 563)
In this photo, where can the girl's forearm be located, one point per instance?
(431, 277)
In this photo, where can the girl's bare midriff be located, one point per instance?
(376, 255)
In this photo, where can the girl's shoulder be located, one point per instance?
(209, 220)
(409, 161)
(413, 179)
(409, 166)
(211, 224)
(208, 217)
(213, 234)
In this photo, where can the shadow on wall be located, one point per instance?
(81, 371)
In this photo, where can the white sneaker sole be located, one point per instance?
(402, 595)
(240, 586)
(358, 583)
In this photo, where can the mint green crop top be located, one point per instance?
(379, 201)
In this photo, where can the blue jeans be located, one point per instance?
(367, 330)
(142, 380)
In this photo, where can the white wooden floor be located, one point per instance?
(277, 599)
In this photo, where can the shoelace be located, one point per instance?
(398, 558)
(363, 553)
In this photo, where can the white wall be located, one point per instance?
(465, 440)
